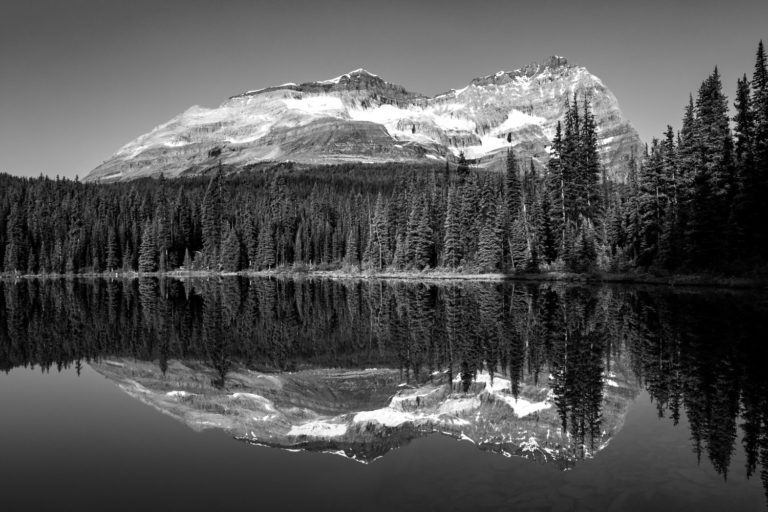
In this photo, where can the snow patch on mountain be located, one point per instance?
(318, 429)
(336, 80)
(516, 119)
(316, 105)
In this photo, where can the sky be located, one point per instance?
(81, 78)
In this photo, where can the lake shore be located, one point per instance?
(698, 280)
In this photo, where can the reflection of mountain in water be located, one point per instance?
(571, 356)
(365, 413)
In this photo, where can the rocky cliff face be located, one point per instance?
(359, 117)
(364, 414)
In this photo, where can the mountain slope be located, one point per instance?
(359, 117)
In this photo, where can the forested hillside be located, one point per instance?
(693, 202)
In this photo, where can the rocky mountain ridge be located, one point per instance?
(360, 117)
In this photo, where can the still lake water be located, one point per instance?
(357, 395)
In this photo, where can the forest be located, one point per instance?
(693, 202)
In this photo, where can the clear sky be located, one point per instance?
(80, 78)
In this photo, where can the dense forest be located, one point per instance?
(692, 202)
(698, 355)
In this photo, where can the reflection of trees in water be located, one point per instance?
(705, 354)
(694, 352)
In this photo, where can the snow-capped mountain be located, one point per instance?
(364, 414)
(359, 117)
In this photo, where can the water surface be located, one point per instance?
(330, 395)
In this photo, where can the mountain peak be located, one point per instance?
(361, 71)
(358, 116)
(356, 72)
(554, 61)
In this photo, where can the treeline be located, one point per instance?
(694, 201)
(699, 355)
(698, 198)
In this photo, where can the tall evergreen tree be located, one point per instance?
(230, 251)
(148, 250)
(266, 255)
(512, 187)
(452, 245)
(212, 218)
(113, 260)
(377, 253)
(462, 169)
(489, 246)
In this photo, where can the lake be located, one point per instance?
(312, 394)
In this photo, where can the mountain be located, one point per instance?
(364, 414)
(359, 117)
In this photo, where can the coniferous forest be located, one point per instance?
(692, 202)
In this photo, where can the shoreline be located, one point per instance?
(674, 280)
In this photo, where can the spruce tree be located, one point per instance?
(452, 245)
(419, 241)
(760, 106)
(518, 246)
(651, 205)
(547, 235)
(113, 259)
(266, 256)
(148, 249)
(468, 218)
(760, 148)
(488, 246)
(230, 251)
(512, 188)
(16, 245)
(352, 250)
(212, 218)
(555, 188)
(377, 253)
(462, 169)
(712, 178)
(589, 168)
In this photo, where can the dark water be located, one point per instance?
(660, 396)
